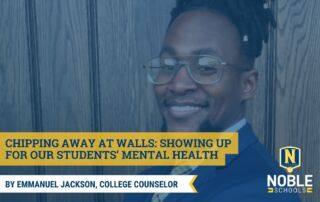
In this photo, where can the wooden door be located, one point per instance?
(76, 65)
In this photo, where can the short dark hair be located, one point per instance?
(252, 18)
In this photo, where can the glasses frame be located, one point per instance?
(185, 63)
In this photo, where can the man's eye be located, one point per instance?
(207, 69)
(167, 67)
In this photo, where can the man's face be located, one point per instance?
(185, 104)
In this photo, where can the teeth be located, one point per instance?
(184, 108)
(183, 111)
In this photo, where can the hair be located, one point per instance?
(253, 18)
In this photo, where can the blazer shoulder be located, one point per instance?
(255, 161)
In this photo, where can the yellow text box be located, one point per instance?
(116, 149)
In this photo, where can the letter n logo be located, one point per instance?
(290, 158)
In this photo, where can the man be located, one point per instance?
(202, 79)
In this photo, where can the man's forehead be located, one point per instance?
(169, 50)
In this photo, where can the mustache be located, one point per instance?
(205, 126)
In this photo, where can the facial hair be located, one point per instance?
(205, 126)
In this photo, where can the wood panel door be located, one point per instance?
(76, 65)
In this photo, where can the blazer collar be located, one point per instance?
(208, 173)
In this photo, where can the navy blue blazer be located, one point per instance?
(243, 179)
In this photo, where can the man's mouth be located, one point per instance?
(184, 109)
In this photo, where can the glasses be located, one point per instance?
(203, 69)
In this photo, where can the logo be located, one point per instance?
(289, 159)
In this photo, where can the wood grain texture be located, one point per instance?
(34, 76)
(15, 100)
(255, 108)
(94, 71)
(260, 110)
(63, 53)
(90, 56)
(15, 106)
(298, 92)
(130, 33)
(65, 80)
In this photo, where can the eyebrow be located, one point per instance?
(203, 51)
(168, 49)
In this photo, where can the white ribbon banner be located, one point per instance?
(97, 183)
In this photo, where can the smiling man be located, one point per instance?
(202, 79)
(204, 76)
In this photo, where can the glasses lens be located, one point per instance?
(205, 69)
(161, 70)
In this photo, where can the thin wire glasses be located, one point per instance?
(203, 69)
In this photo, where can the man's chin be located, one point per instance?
(204, 126)
(182, 127)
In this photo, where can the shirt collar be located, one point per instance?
(234, 128)
(237, 126)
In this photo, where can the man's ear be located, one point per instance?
(249, 82)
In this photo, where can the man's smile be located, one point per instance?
(184, 108)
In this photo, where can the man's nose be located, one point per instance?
(182, 82)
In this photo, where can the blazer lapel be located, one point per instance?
(159, 170)
(204, 174)
(208, 174)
